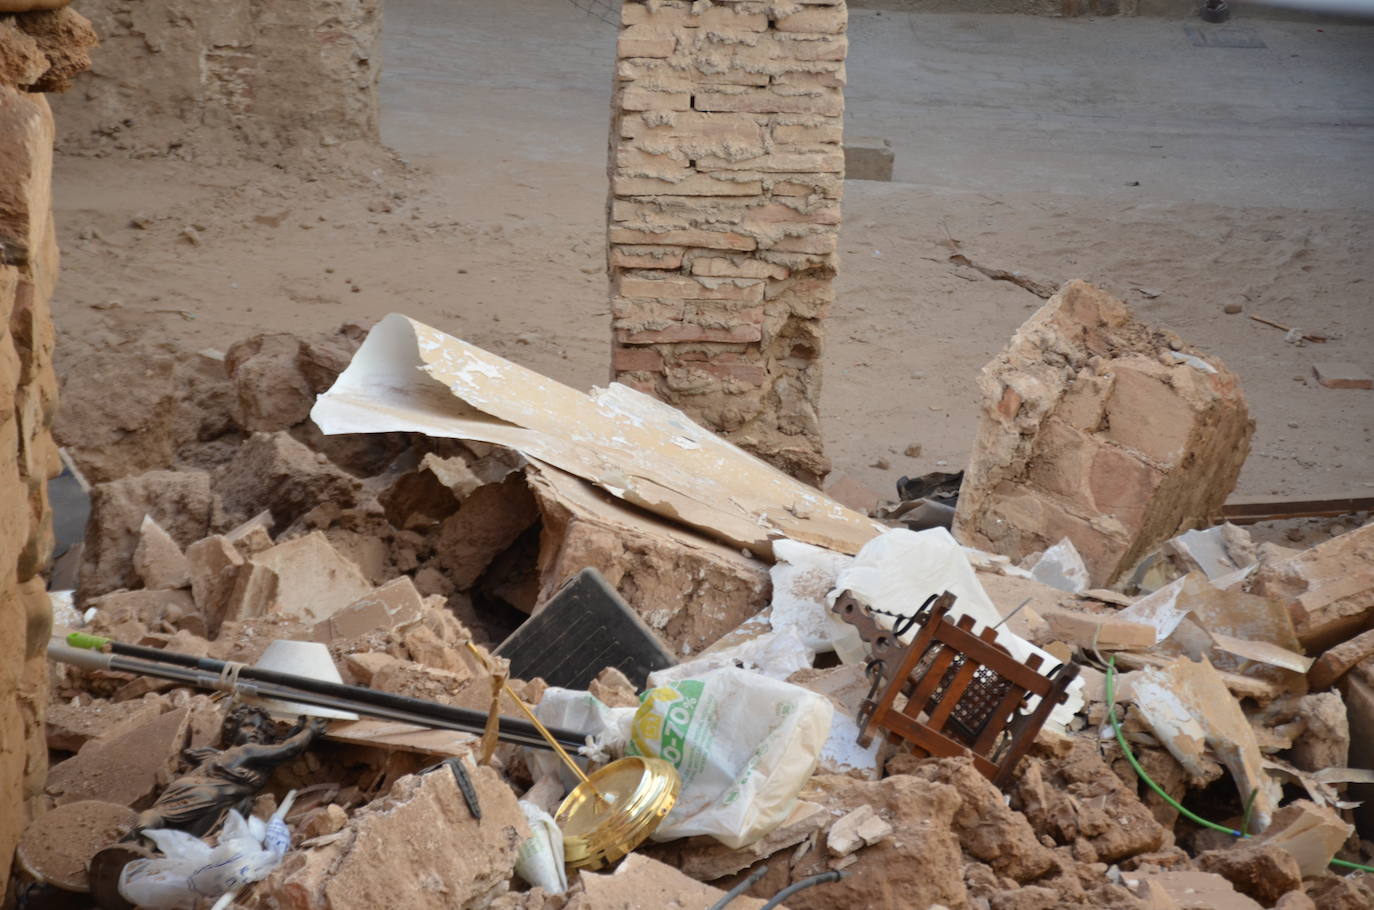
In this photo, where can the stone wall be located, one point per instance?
(37, 51)
(726, 170)
(181, 77)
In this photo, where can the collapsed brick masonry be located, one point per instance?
(726, 175)
(39, 52)
(1103, 430)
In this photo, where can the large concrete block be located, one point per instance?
(1101, 429)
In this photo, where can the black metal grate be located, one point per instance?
(977, 705)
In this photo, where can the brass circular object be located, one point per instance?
(616, 810)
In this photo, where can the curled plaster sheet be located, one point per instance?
(897, 571)
(1321, 785)
(1188, 707)
(409, 377)
(803, 577)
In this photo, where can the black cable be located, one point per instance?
(833, 875)
(740, 888)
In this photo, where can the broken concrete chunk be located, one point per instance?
(313, 581)
(271, 392)
(179, 501)
(1106, 631)
(1329, 589)
(643, 882)
(1337, 661)
(71, 726)
(274, 471)
(485, 524)
(159, 562)
(211, 563)
(1189, 890)
(1264, 871)
(126, 769)
(862, 827)
(1311, 833)
(1086, 434)
(253, 536)
(1077, 800)
(689, 589)
(379, 610)
(988, 829)
(419, 840)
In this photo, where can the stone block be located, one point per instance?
(179, 501)
(486, 524)
(313, 581)
(126, 769)
(419, 840)
(1343, 376)
(1329, 588)
(688, 589)
(868, 158)
(158, 561)
(1087, 433)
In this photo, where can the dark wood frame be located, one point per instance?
(934, 674)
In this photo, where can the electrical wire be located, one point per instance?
(1140, 772)
(833, 875)
(739, 889)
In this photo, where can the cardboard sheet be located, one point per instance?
(410, 377)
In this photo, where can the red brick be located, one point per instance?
(687, 333)
(712, 240)
(678, 288)
(646, 257)
(628, 360)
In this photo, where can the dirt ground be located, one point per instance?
(1108, 150)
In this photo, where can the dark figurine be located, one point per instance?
(229, 778)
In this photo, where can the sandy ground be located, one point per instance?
(1185, 178)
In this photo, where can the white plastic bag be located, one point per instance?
(540, 859)
(608, 730)
(190, 869)
(897, 570)
(744, 745)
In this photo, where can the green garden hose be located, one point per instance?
(1191, 816)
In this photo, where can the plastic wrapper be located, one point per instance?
(744, 745)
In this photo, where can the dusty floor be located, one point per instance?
(1184, 177)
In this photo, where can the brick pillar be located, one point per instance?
(726, 174)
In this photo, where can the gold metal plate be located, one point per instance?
(636, 794)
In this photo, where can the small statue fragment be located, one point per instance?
(228, 778)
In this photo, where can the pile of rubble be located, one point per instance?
(1232, 678)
